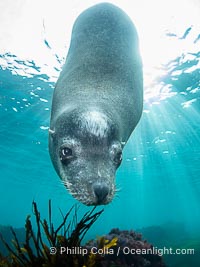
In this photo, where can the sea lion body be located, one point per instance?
(97, 103)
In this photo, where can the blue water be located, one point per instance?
(159, 179)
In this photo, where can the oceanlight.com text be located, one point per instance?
(159, 251)
(122, 250)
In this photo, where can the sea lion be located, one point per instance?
(97, 103)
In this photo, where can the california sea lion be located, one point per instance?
(97, 103)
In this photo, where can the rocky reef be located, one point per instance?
(129, 250)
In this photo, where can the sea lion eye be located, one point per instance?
(118, 158)
(65, 154)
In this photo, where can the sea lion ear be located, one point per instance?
(123, 143)
(52, 132)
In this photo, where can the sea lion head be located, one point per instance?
(86, 151)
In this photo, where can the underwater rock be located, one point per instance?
(129, 250)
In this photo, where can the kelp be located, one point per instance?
(105, 245)
(34, 251)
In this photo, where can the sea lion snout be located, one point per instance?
(101, 191)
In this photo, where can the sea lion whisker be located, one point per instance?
(118, 189)
(67, 184)
(117, 196)
(74, 194)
